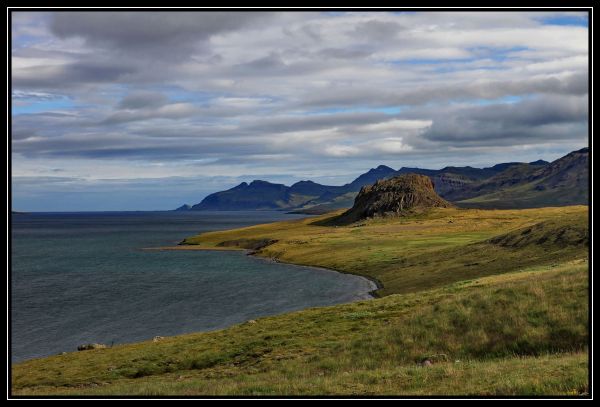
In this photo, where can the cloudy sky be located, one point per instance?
(147, 110)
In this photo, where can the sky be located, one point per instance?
(151, 110)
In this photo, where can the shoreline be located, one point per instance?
(376, 285)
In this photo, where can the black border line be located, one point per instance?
(572, 7)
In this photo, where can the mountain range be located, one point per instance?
(506, 185)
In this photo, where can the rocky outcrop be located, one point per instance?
(91, 346)
(402, 195)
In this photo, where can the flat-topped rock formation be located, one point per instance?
(400, 196)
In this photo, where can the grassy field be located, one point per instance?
(496, 300)
(417, 253)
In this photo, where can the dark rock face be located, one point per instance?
(401, 195)
(91, 346)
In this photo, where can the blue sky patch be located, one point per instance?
(28, 106)
(580, 21)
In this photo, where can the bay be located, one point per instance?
(83, 277)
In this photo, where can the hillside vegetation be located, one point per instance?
(496, 301)
(562, 182)
(513, 334)
(407, 254)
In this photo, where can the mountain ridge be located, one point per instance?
(562, 182)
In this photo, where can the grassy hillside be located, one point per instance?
(517, 333)
(562, 182)
(529, 195)
(416, 253)
(496, 300)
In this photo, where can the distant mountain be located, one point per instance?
(310, 188)
(539, 162)
(261, 195)
(256, 195)
(370, 177)
(512, 184)
(561, 182)
(450, 182)
(507, 175)
(184, 207)
(570, 171)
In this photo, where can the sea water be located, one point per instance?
(80, 278)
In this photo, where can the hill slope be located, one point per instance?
(413, 253)
(562, 182)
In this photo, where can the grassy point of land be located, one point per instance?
(417, 253)
(497, 301)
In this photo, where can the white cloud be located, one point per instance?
(338, 150)
(396, 125)
(391, 145)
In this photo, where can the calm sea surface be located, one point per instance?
(82, 277)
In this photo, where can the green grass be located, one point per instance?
(416, 253)
(496, 299)
(522, 328)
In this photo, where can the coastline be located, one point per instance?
(375, 284)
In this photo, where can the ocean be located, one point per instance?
(81, 278)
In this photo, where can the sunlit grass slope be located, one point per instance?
(418, 253)
(522, 333)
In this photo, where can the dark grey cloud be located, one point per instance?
(535, 112)
(23, 133)
(313, 122)
(571, 84)
(117, 145)
(344, 53)
(70, 75)
(274, 66)
(44, 125)
(528, 122)
(374, 30)
(142, 99)
(171, 32)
